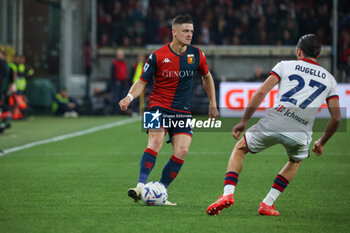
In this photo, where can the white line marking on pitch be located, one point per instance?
(71, 135)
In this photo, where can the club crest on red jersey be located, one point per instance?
(190, 59)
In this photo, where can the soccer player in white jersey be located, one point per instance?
(303, 87)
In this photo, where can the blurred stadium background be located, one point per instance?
(79, 184)
(72, 42)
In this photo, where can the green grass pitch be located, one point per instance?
(80, 184)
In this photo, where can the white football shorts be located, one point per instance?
(258, 139)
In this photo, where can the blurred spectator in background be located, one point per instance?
(65, 105)
(137, 68)
(120, 25)
(18, 100)
(87, 58)
(344, 48)
(258, 76)
(104, 41)
(119, 79)
(286, 38)
(138, 42)
(164, 33)
(204, 36)
(346, 59)
(7, 78)
(25, 74)
(126, 42)
(100, 102)
(3, 75)
(3, 71)
(347, 71)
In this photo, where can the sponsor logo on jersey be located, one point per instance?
(145, 68)
(291, 113)
(177, 74)
(190, 59)
(166, 60)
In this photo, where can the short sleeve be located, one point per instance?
(277, 71)
(333, 92)
(149, 68)
(203, 67)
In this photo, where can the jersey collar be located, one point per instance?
(176, 53)
(310, 61)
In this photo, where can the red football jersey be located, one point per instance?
(173, 76)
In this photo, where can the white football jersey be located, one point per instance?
(304, 86)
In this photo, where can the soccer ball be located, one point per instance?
(154, 193)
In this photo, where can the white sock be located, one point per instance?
(141, 185)
(271, 197)
(228, 189)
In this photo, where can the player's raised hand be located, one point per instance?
(213, 113)
(318, 147)
(124, 103)
(238, 129)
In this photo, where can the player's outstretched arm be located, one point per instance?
(134, 92)
(253, 104)
(209, 88)
(332, 126)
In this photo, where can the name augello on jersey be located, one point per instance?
(307, 70)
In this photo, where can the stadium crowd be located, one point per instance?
(223, 22)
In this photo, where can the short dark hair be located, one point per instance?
(310, 44)
(181, 19)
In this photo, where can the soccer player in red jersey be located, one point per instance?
(172, 67)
